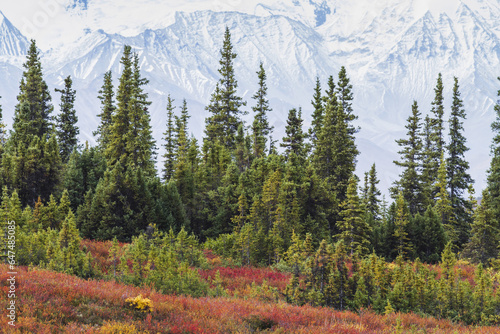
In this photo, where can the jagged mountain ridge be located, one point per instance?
(393, 52)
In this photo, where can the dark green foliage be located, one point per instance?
(485, 234)
(130, 141)
(67, 131)
(82, 173)
(225, 105)
(34, 170)
(355, 232)
(318, 113)
(457, 169)
(31, 162)
(429, 174)
(106, 95)
(260, 126)
(428, 235)
(401, 222)
(331, 95)
(373, 194)
(125, 202)
(294, 140)
(345, 97)
(32, 116)
(494, 171)
(334, 158)
(171, 144)
(410, 184)
(120, 206)
(436, 149)
(182, 120)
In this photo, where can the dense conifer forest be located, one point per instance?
(240, 200)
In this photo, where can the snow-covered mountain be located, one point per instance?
(393, 51)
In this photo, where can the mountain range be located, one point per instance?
(393, 51)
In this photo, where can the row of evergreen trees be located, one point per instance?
(235, 188)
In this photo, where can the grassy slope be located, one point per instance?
(58, 303)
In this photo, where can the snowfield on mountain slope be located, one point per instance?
(392, 50)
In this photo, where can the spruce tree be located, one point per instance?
(436, 137)
(181, 131)
(404, 247)
(32, 115)
(294, 140)
(140, 143)
(443, 206)
(318, 113)
(428, 235)
(355, 232)
(82, 173)
(225, 104)
(120, 122)
(32, 163)
(214, 127)
(410, 184)
(485, 234)
(373, 194)
(260, 126)
(67, 131)
(335, 152)
(428, 171)
(170, 143)
(335, 159)
(345, 97)
(106, 95)
(131, 141)
(457, 168)
(331, 95)
(242, 149)
(183, 118)
(493, 183)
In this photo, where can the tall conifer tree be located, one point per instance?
(260, 126)
(106, 96)
(494, 171)
(32, 115)
(120, 123)
(140, 143)
(67, 131)
(459, 179)
(182, 122)
(428, 170)
(294, 140)
(410, 184)
(331, 95)
(345, 97)
(401, 222)
(335, 158)
(32, 163)
(225, 104)
(355, 232)
(373, 193)
(485, 234)
(131, 141)
(318, 113)
(170, 142)
(436, 135)
(443, 205)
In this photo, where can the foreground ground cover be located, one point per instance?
(52, 302)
